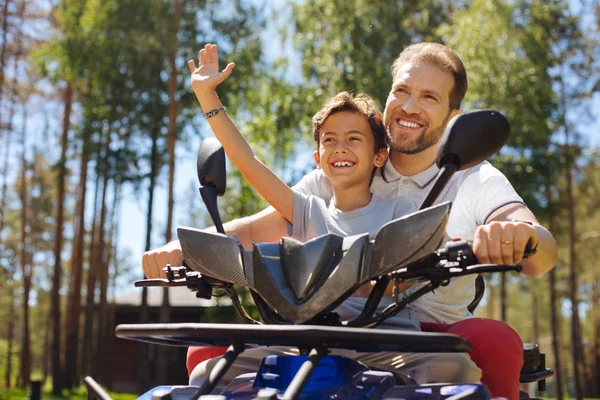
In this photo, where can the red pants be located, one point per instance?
(496, 348)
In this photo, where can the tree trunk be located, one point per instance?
(106, 328)
(4, 174)
(25, 362)
(102, 275)
(74, 299)
(491, 299)
(10, 330)
(88, 352)
(15, 95)
(145, 370)
(535, 326)
(58, 243)
(162, 353)
(556, 341)
(578, 362)
(47, 353)
(503, 297)
(3, 49)
(595, 359)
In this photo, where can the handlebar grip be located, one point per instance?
(530, 249)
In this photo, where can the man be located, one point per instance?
(429, 83)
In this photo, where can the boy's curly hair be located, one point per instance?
(361, 104)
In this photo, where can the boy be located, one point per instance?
(351, 143)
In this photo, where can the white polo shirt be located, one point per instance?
(475, 193)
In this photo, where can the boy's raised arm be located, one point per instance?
(205, 79)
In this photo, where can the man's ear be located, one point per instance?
(454, 113)
(380, 157)
(317, 158)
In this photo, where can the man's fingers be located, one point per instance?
(507, 244)
(523, 234)
(493, 237)
(191, 66)
(480, 246)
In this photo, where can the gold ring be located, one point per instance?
(507, 242)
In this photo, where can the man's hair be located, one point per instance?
(444, 58)
(360, 104)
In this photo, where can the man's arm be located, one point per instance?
(266, 226)
(503, 238)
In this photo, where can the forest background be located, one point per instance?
(99, 129)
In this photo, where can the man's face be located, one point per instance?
(418, 107)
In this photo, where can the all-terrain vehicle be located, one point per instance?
(297, 286)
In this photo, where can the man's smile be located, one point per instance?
(405, 123)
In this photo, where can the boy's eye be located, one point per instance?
(355, 138)
(327, 139)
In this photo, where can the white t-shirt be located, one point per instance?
(313, 218)
(475, 194)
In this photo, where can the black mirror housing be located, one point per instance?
(211, 165)
(472, 137)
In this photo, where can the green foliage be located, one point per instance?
(508, 50)
(351, 45)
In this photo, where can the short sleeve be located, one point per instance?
(297, 229)
(315, 183)
(487, 190)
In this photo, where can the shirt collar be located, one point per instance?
(421, 179)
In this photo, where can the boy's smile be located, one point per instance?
(346, 151)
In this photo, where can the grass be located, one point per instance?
(78, 394)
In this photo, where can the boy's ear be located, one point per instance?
(380, 157)
(317, 158)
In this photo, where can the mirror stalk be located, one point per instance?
(445, 174)
(209, 196)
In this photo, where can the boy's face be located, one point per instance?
(346, 149)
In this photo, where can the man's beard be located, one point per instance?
(421, 143)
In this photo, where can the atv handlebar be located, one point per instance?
(454, 259)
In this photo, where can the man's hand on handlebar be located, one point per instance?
(503, 242)
(155, 260)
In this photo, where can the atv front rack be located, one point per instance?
(310, 339)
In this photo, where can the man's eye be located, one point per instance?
(401, 90)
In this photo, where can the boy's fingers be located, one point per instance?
(191, 66)
(202, 57)
(212, 53)
(227, 71)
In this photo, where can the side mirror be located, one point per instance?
(212, 177)
(471, 138)
(468, 139)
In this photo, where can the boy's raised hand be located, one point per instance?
(207, 76)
